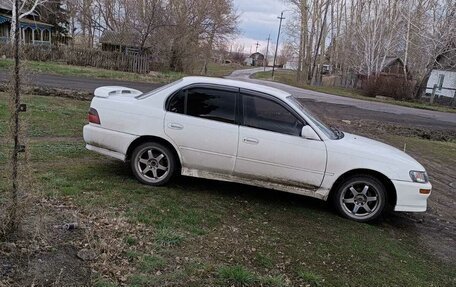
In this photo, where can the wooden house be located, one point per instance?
(127, 43)
(32, 30)
(256, 60)
(393, 68)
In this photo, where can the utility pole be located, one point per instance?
(277, 45)
(15, 129)
(267, 52)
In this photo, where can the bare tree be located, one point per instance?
(237, 54)
(221, 23)
(183, 32)
(362, 33)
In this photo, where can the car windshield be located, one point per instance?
(146, 95)
(331, 133)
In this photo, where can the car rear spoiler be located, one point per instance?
(106, 92)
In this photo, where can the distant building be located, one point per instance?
(445, 81)
(32, 30)
(128, 43)
(444, 76)
(292, 64)
(255, 60)
(393, 67)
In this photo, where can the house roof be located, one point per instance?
(256, 54)
(390, 60)
(446, 61)
(27, 23)
(129, 39)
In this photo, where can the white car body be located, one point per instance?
(236, 153)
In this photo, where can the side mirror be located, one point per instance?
(308, 133)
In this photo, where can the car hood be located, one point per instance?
(362, 147)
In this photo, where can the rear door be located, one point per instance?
(271, 147)
(201, 120)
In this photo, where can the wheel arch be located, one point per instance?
(390, 189)
(144, 139)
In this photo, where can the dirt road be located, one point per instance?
(85, 84)
(406, 113)
(345, 107)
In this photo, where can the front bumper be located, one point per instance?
(409, 197)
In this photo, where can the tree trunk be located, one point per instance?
(420, 88)
(13, 25)
(302, 40)
(318, 44)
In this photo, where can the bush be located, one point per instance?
(388, 86)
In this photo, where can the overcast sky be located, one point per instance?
(258, 19)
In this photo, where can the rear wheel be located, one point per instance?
(361, 198)
(153, 164)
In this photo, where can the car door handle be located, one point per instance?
(250, 141)
(175, 126)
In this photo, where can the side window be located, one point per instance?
(268, 115)
(211, 104)
(177, 103)
(441, 79)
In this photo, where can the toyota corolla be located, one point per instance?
(251, 134)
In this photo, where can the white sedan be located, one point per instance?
(252, 134)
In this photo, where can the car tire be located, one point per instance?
(361, 198)
(153, 164)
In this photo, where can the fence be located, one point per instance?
(441, 99)
(117, 61)
(108, 60)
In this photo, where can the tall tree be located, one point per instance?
(54, 12)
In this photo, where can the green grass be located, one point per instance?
(63, 69)
(204, 233)
(150, 263)
(289, 78)
(237, 274)
(220, 70)
(310, 278)
(273, 280)
(168, 237)
(263, 260)
(48, 116)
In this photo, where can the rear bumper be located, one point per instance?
(107, 142)
(409, 197)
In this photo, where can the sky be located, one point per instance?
(258, 19)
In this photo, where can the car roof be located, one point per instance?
(238, 84)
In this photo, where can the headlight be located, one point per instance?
(419, 176)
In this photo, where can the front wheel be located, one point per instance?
(153, 164)
(361, 198)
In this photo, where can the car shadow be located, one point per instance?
(395, 221)
(237, 191)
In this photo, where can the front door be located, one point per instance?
(202, 123)
(271, 147)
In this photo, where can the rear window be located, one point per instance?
(158, 90)
(211, 104)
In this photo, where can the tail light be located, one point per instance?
(93, 117)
